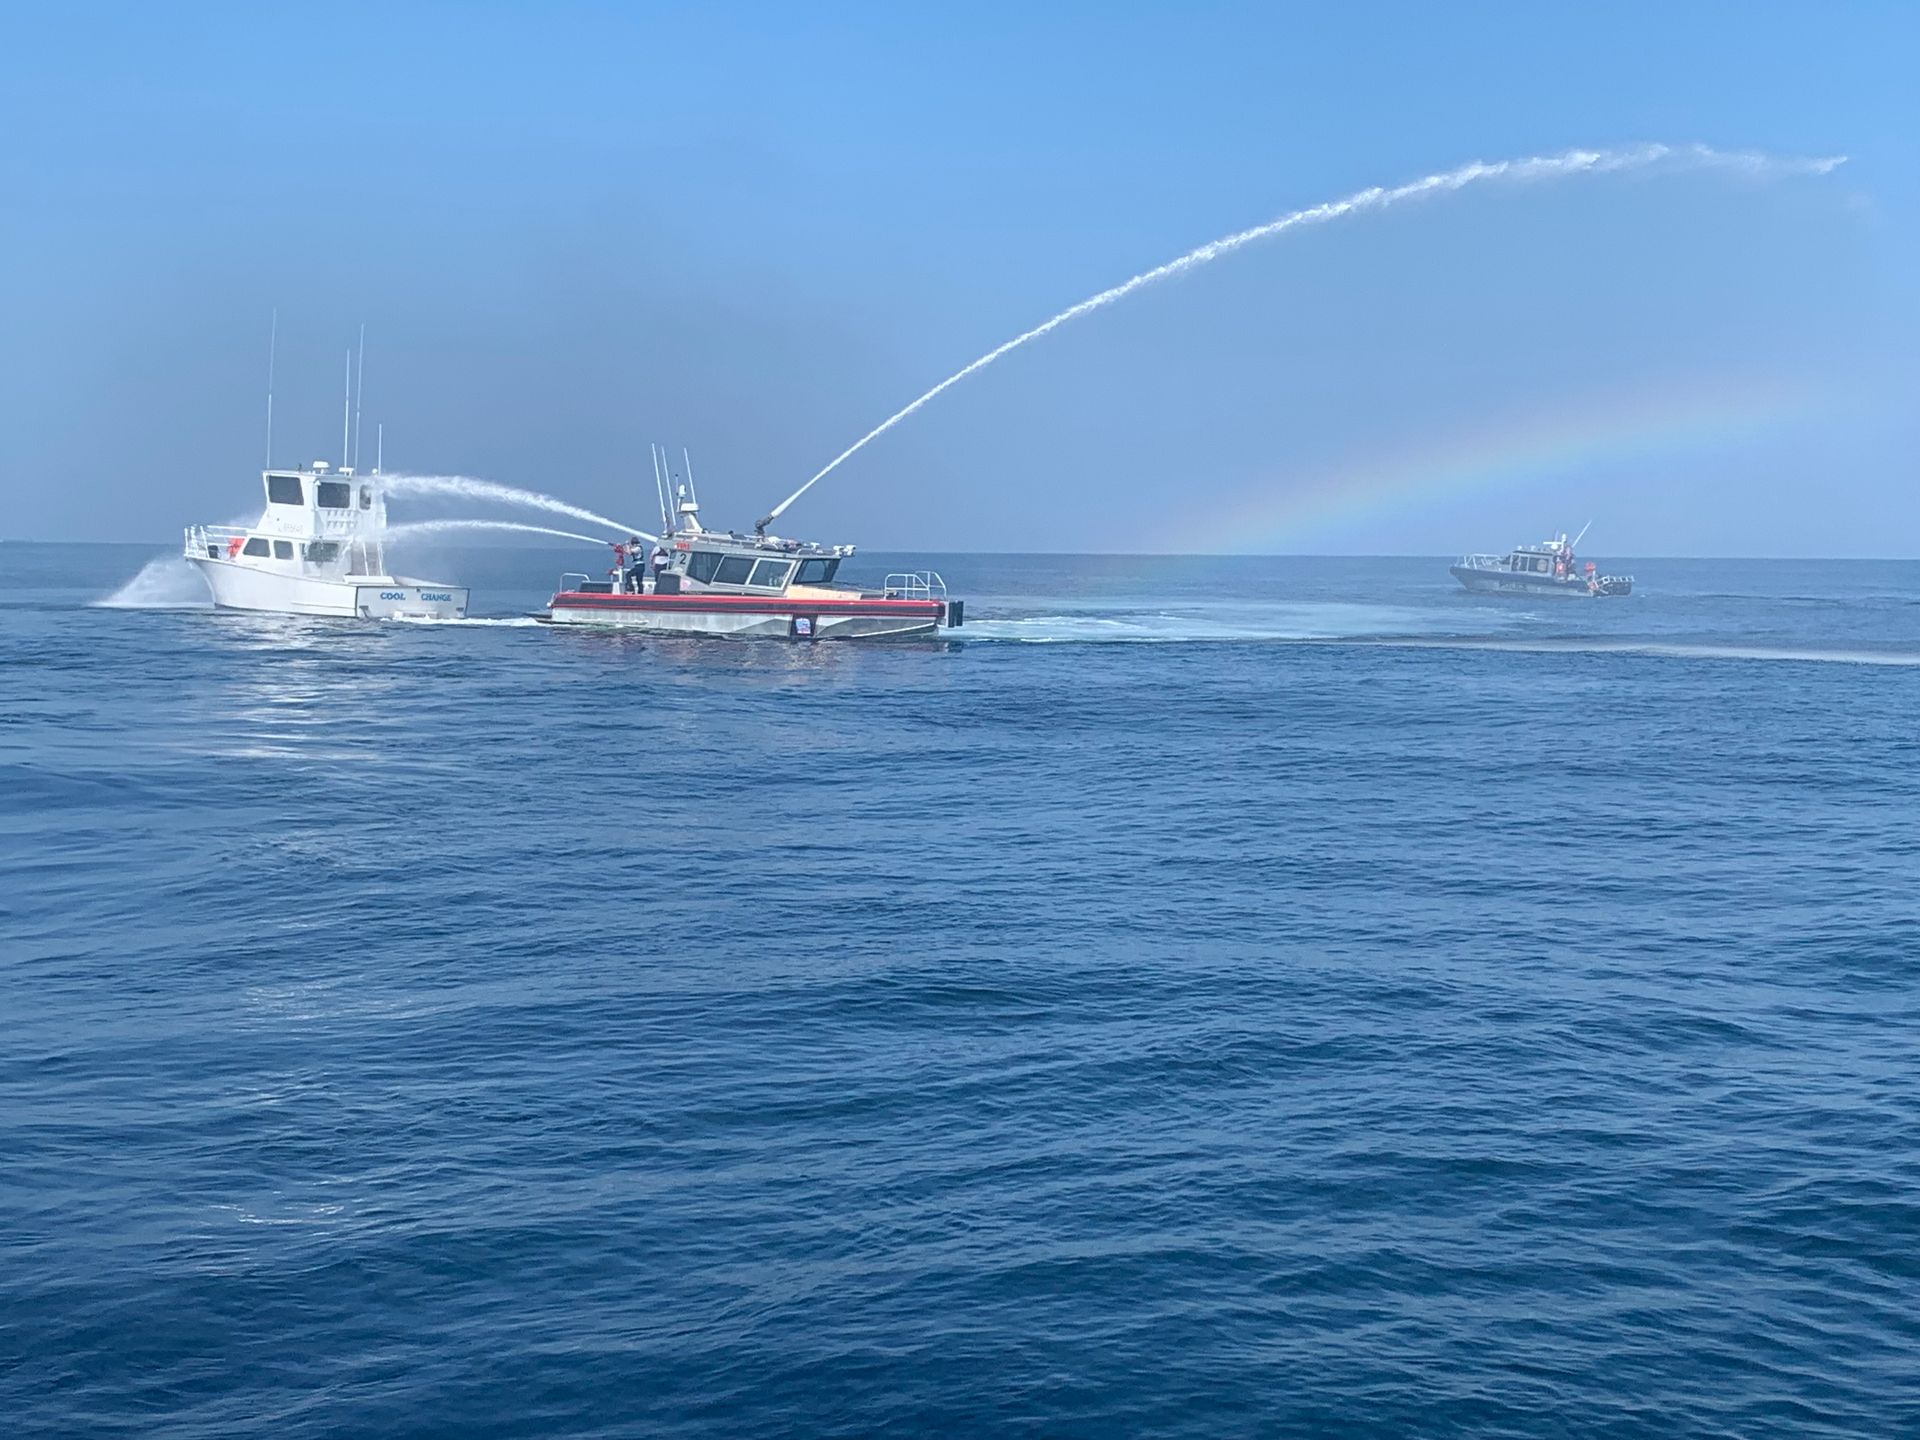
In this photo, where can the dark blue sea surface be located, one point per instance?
(1218, 997)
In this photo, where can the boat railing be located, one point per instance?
(1483, 562)
(199, 537)
(349, 557)
(916, 585)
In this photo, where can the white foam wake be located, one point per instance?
(1676, 650)
(1382, 627)
(1299, 621)
(1532, 169)
(511, 622)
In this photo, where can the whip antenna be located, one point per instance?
(273, 341)
(359, 392)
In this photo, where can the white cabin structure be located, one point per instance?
(317, 549)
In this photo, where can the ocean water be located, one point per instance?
(1216, 997)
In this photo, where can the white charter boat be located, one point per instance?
(317, 549)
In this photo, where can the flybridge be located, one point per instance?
(317, 549)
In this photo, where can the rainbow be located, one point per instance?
(1641, 428)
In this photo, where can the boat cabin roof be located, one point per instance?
(732, 542)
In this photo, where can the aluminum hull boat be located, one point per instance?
(1483, 582)
(1547, 571)
(697, 582)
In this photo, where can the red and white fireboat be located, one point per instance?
(695, 581)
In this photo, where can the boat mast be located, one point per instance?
(659, 488)
(346, 414)
(273, 341)
(359, 392)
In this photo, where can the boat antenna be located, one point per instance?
(359, 392)
(273, 341)
(659, 487)
(1582, 535)
(379, 444)
(346, 412)
(687, 460)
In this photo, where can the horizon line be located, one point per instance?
(1113, 554)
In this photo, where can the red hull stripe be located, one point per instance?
(745, 605)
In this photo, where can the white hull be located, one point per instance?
(359, 597)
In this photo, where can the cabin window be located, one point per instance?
(285, 490)
(771, 574)
(701, 564)
(256, 546)
(322, 552)
(366, 497)
(733, 570)
(816, 572)
(334, 495)
(283, 549)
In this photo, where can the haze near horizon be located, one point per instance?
(758, 234)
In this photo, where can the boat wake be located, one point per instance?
(1330, 623)
(1318, 621)
(1663, 649)
(516, 622)
(165, 583)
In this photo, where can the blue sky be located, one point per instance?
(757, 231)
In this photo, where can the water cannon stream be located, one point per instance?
(414, 528)
(466, 487)
(1522, 171)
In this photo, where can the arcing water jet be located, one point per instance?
(467, 488)
(1533, 168)
(428, 527)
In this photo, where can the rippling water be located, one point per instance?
(1355, 1008)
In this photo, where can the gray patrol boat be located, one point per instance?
(1547, 569)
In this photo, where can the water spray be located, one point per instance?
(428, 527)
(466, 487)
(1524, 171)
